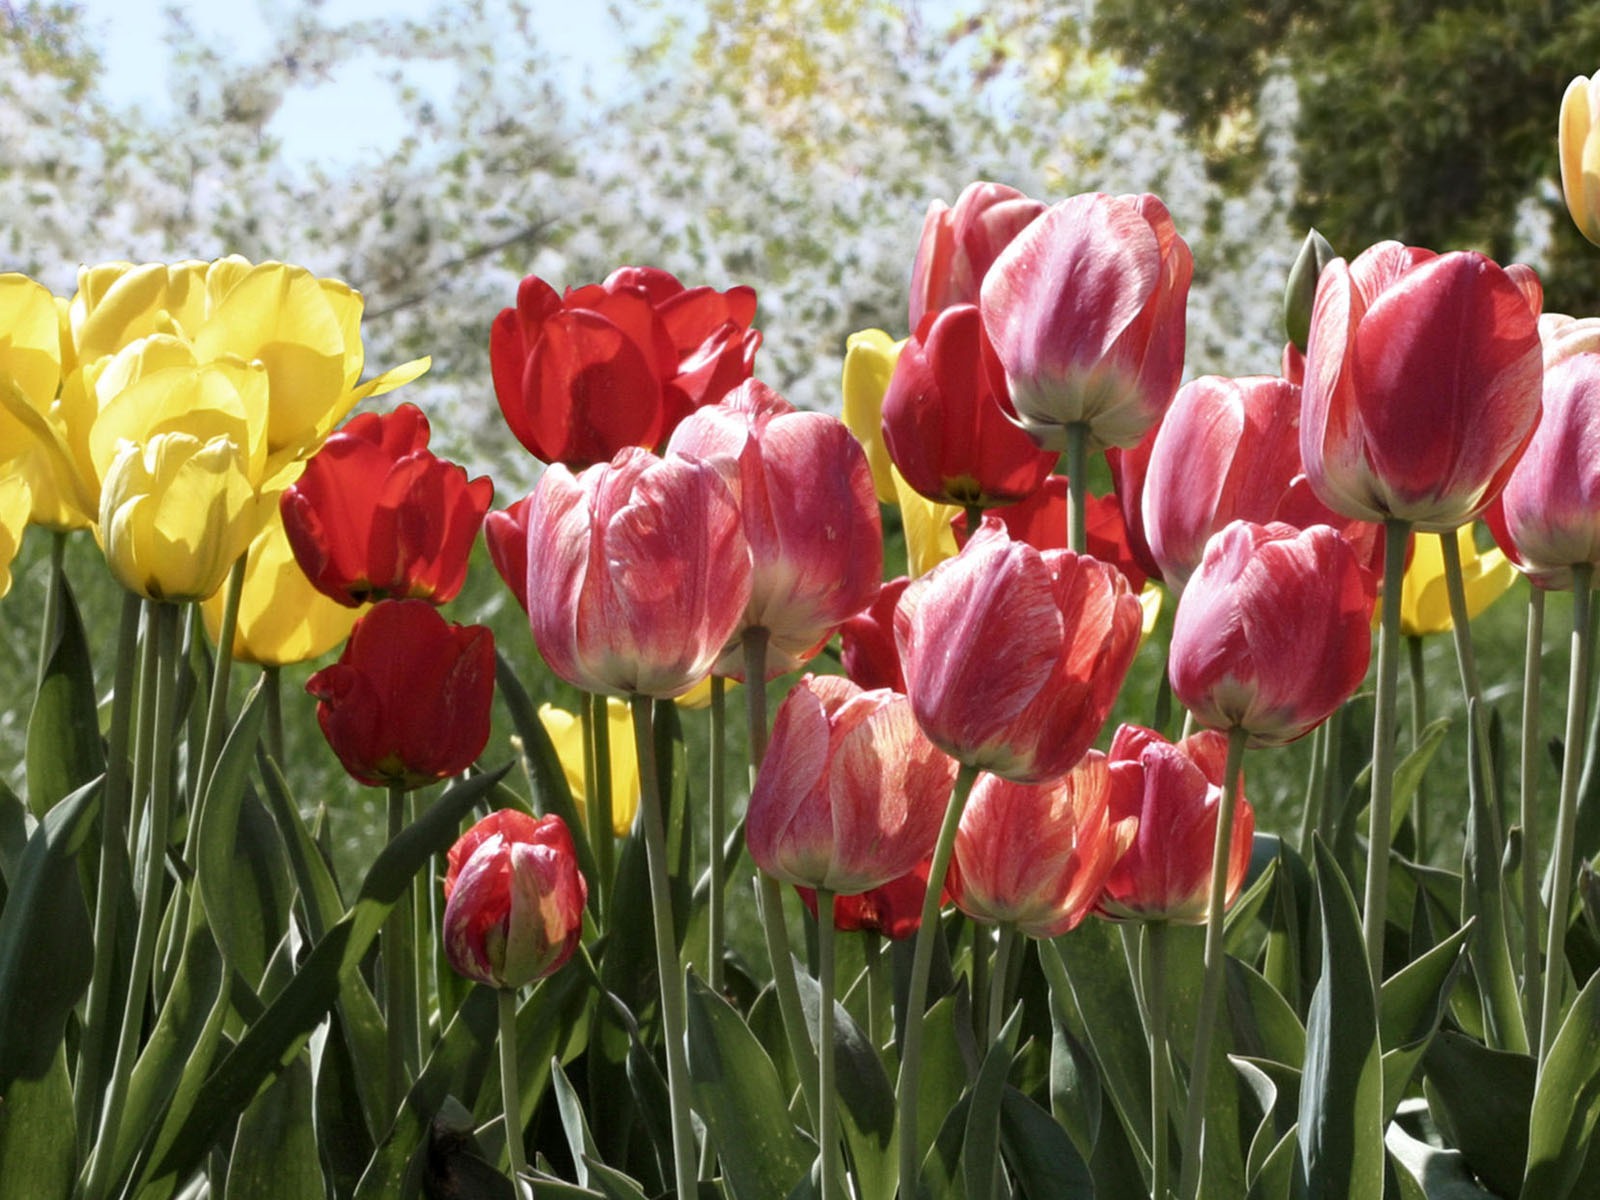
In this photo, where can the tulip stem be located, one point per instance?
(917, 994)
(1194, 1116)
(602, 835)
(510, 1093)
(827, 1094)
(53, 587)
(872, 954)
(670, 975)
(1532, 984)
(399, 979)
(161, 686)
(222, 669)
(1375, 897)
(1461, 631)
(716, 915)
(1155, 1003)
(1567, 813)
(1419, 718)
(1077, 485)
(272, 690)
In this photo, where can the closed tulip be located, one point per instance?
(566, 734)
(850, 794)
(514, 899)
(1273, 632)
(892, 910)
(1013, 656)
(1579, 145)
(945, 423)
(407, 703)
(30, 376)
(1037, 855)
(377, 515)
(1173, 791)
(1086, 310)
(642, 569)
(806, 502)
(1422, 384)
(959, 244)
(867, 649)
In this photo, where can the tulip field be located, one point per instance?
(1057, 778)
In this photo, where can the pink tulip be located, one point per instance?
(1273, 632)
(867, 650)
(638, 572)
(850, 794)
(1037, 856)
(1086, 311)
(1422, 384)
(958, 245)
(804, 493)
(1173, 791)
(1013, 656)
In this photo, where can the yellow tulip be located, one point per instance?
(930, 538)
(175, 512)
(30, 376)
(282, 618)
(1424, 601)
(566, 732)
(1579, 145)
(869, 359)
(15, 501)
(121, 302)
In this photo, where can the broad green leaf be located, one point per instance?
(1074, 1083)
(1039, 1152)
(1290, 959)
(14, 829)
(1263, 1024)
(1483, 897)
(1240, 922)
(1431, 1173)
(1408, 775)
(580, 1142)
(64, 751)
(940, 1176)
(613, 1184)
(1276, 1088)
(275, 1150)
(1341, 1086)
(1276, 1180)
(46, 944)
(1480, 1099)
(38, 1139)
(1414, 1000)
(980, 1151)
(1566, 1103)
(737, 1094)
(344, 1136)
(236, 920)
(944, 1070)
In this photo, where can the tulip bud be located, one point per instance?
(1300, 290)
(514, 899)
(893, 909)
(1579, 150)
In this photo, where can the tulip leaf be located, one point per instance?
(46, 944)
(1276, 1088)
(15, 826)
(1408, 775)
(276, 1037)
(1039, 1152)
(64, 750)
(1074, 1083)
(1263, 1024)
(737, 1093)
(38, 1140)
(275, 1149)
(944, 1070)
(940, 1176)
(980, 1150)
(1341, 1086)
(1413, 1001)
(580, 1142)
(613, 1184)
(235, 920)
(1566, 1105)
(1480, 1099)
(1429, 1173)
(1276, 1179)
(345, 1135)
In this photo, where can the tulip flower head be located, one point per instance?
(514, 899)
(892, 910)
(870, 356)
(1579, 145)
(1013, 656)
(1273, 632)
(566, 734)
(1174, 793)
(15, 502)
(407, 703)
(1086, 311)
(850, 794)
(867, 648)
(1424, 600)
(958, 245)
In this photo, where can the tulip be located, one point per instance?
(1422, 384)
(1128, 469)
(867, 648)
(377, 516)
(505, 533)
(16, 501)
(958, 245)
(944, 420)
(1086, 308)
(1036, 856)
(1424, 604)
(30, 375)
(806, 501)
(1013, 656)
(869, 361)
(566, 734)
(1041, 521)
(1579, 147)
(1174, 792)
(893, 910)
(408, 701)
(643, 572)
(514, 899)
(850, 794)
(1273, 632)
(928, 526)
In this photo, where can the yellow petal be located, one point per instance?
(118, 303)
(566, 732)
(1424, 597)
(16, 502)
(930, 538)
(869, 360)
(30, 339)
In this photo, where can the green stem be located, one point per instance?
(917, 995)
(217, 710)
(1472, 688)
(1376, 895)
(1155, 1003)
(872, 953)
(974, 518)
(1334, 727)
(1315, 788)
(601, 833)
(1211, 991)
(1532, 657)
(673, 1003)
(1005, 946)
(827, 1093)
(399, 979)
(1419, 718)
(1077, 486)
(272, 686)
(980, 977)
(1566, 814)
(716, 915)
(510, 1095)
(52, 605)
(160, 686)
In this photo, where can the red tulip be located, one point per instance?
(1037, 856)
(1086, 310)
(1173, 791)
(850, 794)
(958, 245)
(514, 899)
(944, 421)
(805, 497)
(1422, 384)
(1041, 521)
(893, 909)
(1128, 469)
(408, 701)
(642, 572)
(1273, 631)
(615, 364)
(1013, 656)
(866, 641)
(376, 516)
(505, 533)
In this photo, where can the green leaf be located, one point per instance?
(1408, 775)
(1566, 1102)
(944, 1070)
(1414, 1000)
(1263, 1024)
(1074, 1083)
(981, 1146)
(736, 1092)
(1480, 1099)
(1483, 897)
(38, 1139)
(580, 1142)
(1341, 1087)
(14, 828)
(1039, 1152)
(1276, 1088)
(275, 1150)
(232, 906)
(46, 944)
(1276, 1179)
(1437, 1174)
(64, 751)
